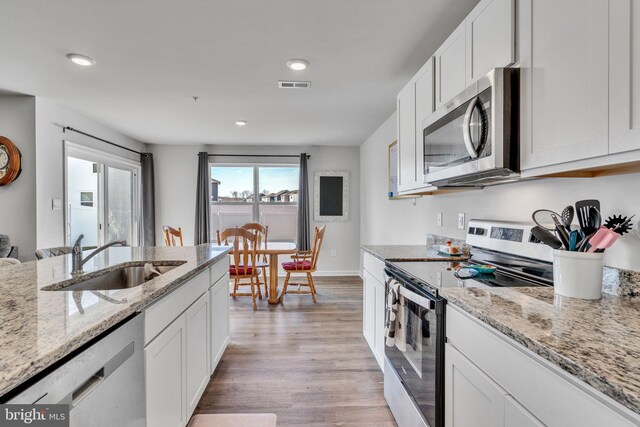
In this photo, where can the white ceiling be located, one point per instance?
(154, 55)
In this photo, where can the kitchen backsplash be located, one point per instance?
(435, 240)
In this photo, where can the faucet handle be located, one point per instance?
(77, 245)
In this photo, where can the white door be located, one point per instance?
(425, 103)
(472, 399)
(515, 415)
(490, 33)
(219, 319)
(450, 66)
(197, 348)
(564, 80)
(165, 377)
(624, 78)
(407, 138)
(368, 307)
(379, 322)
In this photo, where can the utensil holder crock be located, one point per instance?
(578, 274)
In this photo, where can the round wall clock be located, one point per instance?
(10, 161)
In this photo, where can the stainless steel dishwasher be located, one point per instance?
(103, 385)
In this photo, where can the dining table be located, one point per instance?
(273, 250)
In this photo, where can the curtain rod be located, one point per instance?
(257, 155)
(68, 128)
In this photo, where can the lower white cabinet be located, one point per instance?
(515, 415)
(197, 350)
(472, 398)
(219, 303)
(373, 306)
(165, 376)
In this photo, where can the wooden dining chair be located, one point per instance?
(170, 235)
(243, 263)
(304, 262)
(262, 232)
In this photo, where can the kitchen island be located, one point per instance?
(40, 327)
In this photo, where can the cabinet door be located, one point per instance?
(515, 415)
(564, 80)
(197, 348)
(407, 138)
(450, 66)
(472, 399)
(368, 307)
(490, 37)
(379, 322)
(425, 102)
(624, 78)
(165, 372)
(219, 320)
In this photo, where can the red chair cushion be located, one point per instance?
(241, 270)
(297, 265)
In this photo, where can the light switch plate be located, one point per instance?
(56, 204)
(440, 219)
(461, 220)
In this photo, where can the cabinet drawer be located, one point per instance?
(218, 270)
(550, 394)
(374, 266)
(159, 315)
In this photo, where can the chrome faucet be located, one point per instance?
(76, 253)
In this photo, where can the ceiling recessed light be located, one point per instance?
(241, 123)
(297, 64)
(80, 59)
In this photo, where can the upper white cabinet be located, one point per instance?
(490, 33)
(450, 61)
(425, 105)
(407, 137)
(564, 60)
(624, 77)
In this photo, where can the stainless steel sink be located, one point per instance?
(121, 278)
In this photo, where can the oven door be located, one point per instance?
(417, 355)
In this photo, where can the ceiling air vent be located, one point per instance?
(294, 85)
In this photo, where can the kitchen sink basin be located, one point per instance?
(121, 278)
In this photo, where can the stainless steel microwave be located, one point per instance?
(473, 140)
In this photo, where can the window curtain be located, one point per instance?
(148, 200)
(203, 200)
(303, 242)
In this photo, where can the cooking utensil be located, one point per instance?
(573, 240)
(583, 210)
(567, 217)
(603, 239)
(619, 224)
(543, 219)
(546, 237)
(561, 231)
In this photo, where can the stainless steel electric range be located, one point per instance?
(414, 361)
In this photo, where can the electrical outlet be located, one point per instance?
(461, 220)
(438, 279)
(334, 252)
(440, 219)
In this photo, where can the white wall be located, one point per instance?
(49, 122)
(403, 222)
(18, 199)
(176, 169)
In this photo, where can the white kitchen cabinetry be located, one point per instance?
(535, 392)
(472, 399)
(165, 377)
(219, 319)
(450, 61)
(490, 37)
(197, 350)
(564, 60)
(624, 78)
(373, 306)
(406, 105)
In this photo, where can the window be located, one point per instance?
(86, 199)
(267, 194)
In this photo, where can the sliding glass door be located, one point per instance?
(102, 197)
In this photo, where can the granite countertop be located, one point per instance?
(408, 253)
(39, 327)
(596, 341)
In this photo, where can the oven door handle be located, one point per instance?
(466, 128)
(418, 299)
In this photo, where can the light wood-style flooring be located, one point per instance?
(307, 363)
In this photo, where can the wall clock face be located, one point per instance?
(10, 161)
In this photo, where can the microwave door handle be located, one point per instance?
(466, 129)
